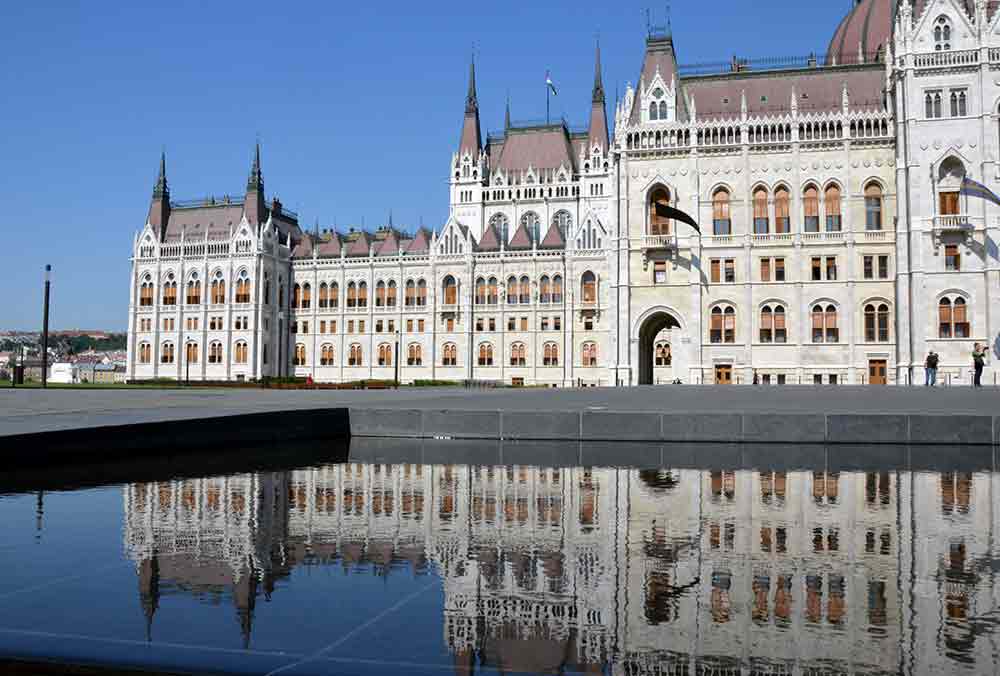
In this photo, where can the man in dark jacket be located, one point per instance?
(930, 369)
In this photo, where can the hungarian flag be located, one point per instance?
(551, 86)
(667, 211)
(974, 189)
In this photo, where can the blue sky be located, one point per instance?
(358, 107)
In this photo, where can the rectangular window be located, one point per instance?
(831, 268)
(524, 323)
(479, 324)
(409, 326)
(557, 323)
(511, 323)
(588, 323)
(716, 267)
(350, 326)
(333, 327)
(817, 269)
(378, 326)
(361, 326)
(779, 269)
(766, 379)
(392, 326)
(660, 272)
(948, 203)
(883, 267)
(730, 271)
(833, 378)
(958, 99)
(493, 324)
(545, 323)
(781, 378)
(420, 325)
(869, 267)
(932, 103)
(450, 324)
(765, 269)
(322, 327)
(295, 327)
(952, 259)
(817, 379)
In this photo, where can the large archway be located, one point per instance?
(648, 333)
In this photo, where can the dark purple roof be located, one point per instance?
(421, 243)
(521, 239)
(216, 220)
(541, 148)
(553, 238)
(659, 58)
(490, 240)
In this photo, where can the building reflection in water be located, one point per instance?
(636, 571)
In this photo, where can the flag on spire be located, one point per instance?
(550, 84)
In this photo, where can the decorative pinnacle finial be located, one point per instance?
(598, 83)
(256, 180)
(471, 102)
(161, 190)
(506, 117)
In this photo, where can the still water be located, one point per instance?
(360, 567)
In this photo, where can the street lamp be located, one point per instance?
(397, 360)
(45, 329)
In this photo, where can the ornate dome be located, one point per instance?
(866, 29)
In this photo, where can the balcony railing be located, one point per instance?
(957, 223)
(948, 59)
(659, 242)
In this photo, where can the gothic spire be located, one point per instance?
(471, 101)
(598, 131)
(160, 190)
(506, 117)
(598, 82)
(471, 141)
(256, 180)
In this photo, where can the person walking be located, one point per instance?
(978, 361)
(930, 369)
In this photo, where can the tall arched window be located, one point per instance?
(243, 288)
(723, 324)
(334, 294)
(761, 221)
(300, 354)
(782, 210)
(191, 353)
(146, 292)
(414, 354)
(544, 290)
(500, 223)
(215, 352)
(810, 208)
(530, 222)
(824, 324)
(772, 324)
(145, 353)
(659, 201)
(557, 289)
(662, 355)
(663, 110)
(411, 293)
(362, 294)
(589, 353)
(241, 352)
(355, 357)
(449, 289)
(953, 318)
(653, 110)
(485, 354)
(512, 291)
(170, 291)
(380, 294)
(831, 201)
(306, 296)
(390, 299)
(480, 291)
(588, 287)
(194, 291)
(324, 295)
(492, 291)
(873, 206)
(722, 223)
(326, 355)
(517, 355)
(563, 221)
(352, 294)
(422, 293)
(524, 291)
(877, 323)
(929, 104)
(167, 353)
(550, 354)
(296, 295)
(385, 354)
(942, 34)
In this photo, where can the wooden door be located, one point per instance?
(948, 203)
(723, 374)
(877, 371)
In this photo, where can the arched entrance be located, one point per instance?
(648, 339)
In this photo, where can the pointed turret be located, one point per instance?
(598, 116)
(471, 141)
(506, 116)
(254, 206)
(159, 208)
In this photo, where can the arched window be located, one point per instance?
(146, 292)
(390, 298)
(194, 291)
(722, 223)
(953, 318)
(355, 358)
(167, 353)
(334, 294)
(659, 201)
(380, 294)
(810, 208)
(824, 324)
(414, 355)
(550, 353)
(761, 221)
(588, 287)
(929, 104)
(422, 293)
(530, 222)
(352, 294)
(831, 201)
(942, 34)
(300, 354)
(557, 289)
(524, 291)
(326, 355)
(663, 110)
(512, 291)
(873, 206)
(877, 323)
(215, 352)
(449, 288)
(492, 291)
(950, 176)
(653, 110)
(485, 354)
(544, 290)
(480, 291)
(241, 352)
(296, 295)
(362, 294)
(563, 221)
(589, 352)
(722, 328)
(324, 295)
(306, 295)
(937, 104)
(243, 288)
(191, 353)
(170, 291)
(782, 212)
(145, 353)
(411, 293)
(517, 355)
(267, 289)
(500, 223)
(772, 324)
(662, 355)
(385, 354)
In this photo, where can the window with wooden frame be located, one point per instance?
(485, 354)
(356, 355)
(449, 324)
(659, 272)
(380, 294)
(241, 352)
(146, 293)
(953, 318)
(362, 294)
(588, 287)
(772, 324)
(385, 354)
(659, 202)
(557, 323)
(876, 323)
(557, 289)
(810, 208)
(145, 353)
(517, 355)
(449, 288)
(782, 210)
(948, 203)
(824, 324)
(326, 355)
(492, 291)
(589, 352)
(415, 357)
(170, 292)
(410, 297)
(350, 326)
(761, 220)
(167, 353)
(390, 296)
(242, 295)
(512, 290)
(480, 291)
(952, 258)
(550, 353)
(779, 269)
(765, 269)
(662, 355)
(868, 267)
(831, 202)
(422, 293)
(831, 268)
(729, 271)
(715, 267)
(722, 223)
(524, 291)
(873, 206)
(544, 290)
(352, 294)
(817, 268)
(883, 267)
(723, 324)
(524, 323)
(493, 324)
(215, 352)
(194, 292)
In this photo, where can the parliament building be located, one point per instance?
(834, 245)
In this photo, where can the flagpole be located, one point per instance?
(547, 92)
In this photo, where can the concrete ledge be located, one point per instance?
(617, 426)
(951, 429)
(790, 429)
(867, 429)
(702, 427)
(541, 425)
(376, 422)
(461, 424)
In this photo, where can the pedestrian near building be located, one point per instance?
(978, 361)
(930, 369)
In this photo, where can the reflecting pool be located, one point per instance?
(370, 567)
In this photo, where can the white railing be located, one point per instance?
(957, 222)
(823, 236)
(718, 240)
(967, 57)
(994, 54)
(659, 242)
(775, 238)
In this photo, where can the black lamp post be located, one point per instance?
(397, 360)
(45, 329)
